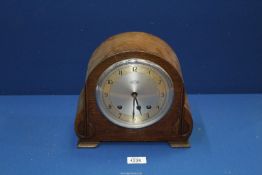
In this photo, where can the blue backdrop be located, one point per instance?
(45, 45)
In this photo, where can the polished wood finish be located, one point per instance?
(90, 124)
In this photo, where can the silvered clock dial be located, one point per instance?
(134, 93)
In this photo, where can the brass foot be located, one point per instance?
(87, 144)
(179, 144)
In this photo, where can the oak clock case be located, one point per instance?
(133, 91)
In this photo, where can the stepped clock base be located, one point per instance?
(85, 144)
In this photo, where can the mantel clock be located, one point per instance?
(133, 91)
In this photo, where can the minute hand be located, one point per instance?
(133, 108)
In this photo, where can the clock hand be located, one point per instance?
(138, 107)
(134, 94)
(133, 108)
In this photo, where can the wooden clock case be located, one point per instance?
(92, 127)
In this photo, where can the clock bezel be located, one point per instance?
(168, 102)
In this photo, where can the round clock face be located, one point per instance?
(134, 93)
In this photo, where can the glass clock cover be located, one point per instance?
(134, 93)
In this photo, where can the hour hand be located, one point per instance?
(138, 107)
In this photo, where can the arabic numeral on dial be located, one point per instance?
(110, 82)
(157, 107)
(159, 81)
(134, 69)
(162, 94)
(120, 72)
(109, 106)
(147, 114)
